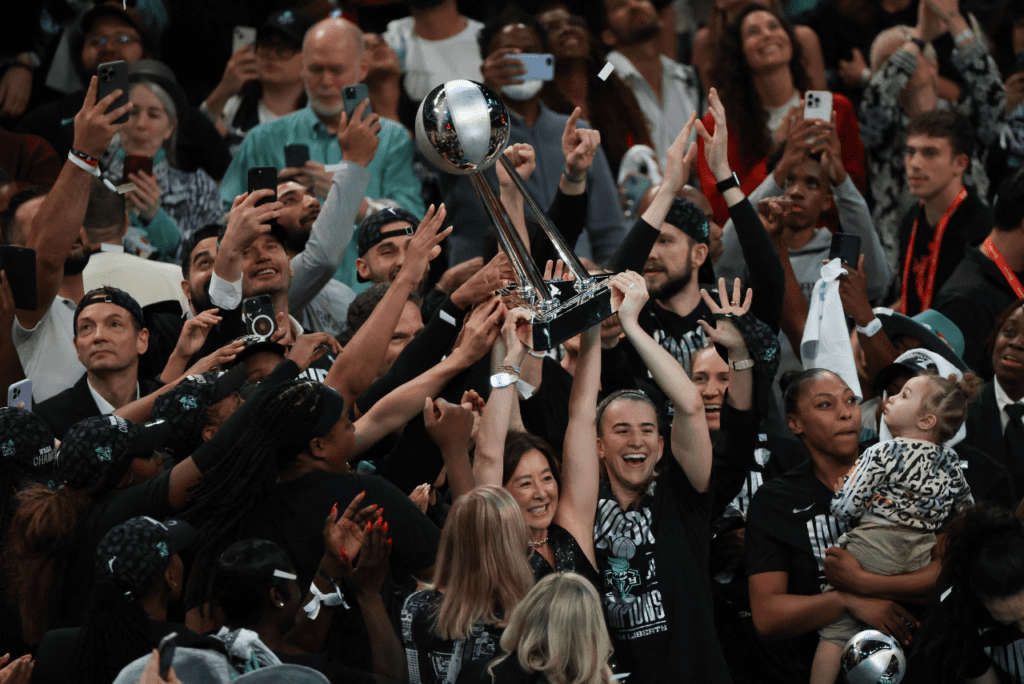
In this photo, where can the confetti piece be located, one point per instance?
(606, 71)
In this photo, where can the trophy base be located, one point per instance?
(574, 313)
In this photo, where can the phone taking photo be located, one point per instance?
(354, 94)
(818, 105)
(242, 36)
(113, 76)
(263, 178)
(19, 264)
(846, 247)
(135, 164)
(259, 317)
(19, 395)
(539, 67)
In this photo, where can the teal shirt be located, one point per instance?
(391, 171)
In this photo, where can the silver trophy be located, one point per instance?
(463, 128)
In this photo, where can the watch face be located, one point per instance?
(499, 380)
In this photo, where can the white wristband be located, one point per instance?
(84, 165)
(871, 329)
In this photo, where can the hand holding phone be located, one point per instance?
(263, 178)
(818, 105)
(113, 76)
(259, 317)
(242, 36)
(846, 247)
(539, 67)
(354, 94)
(19, 395)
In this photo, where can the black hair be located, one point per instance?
(210, 230)
(10, 230)
(983, 560)
(511, 15)
(282, 423)
(115, 632)
(244, 576)
(633, 395)
(517, 444)
(363, 305)
(106, 209)
(792, 385)
(948, 124)
(1008, 210)
(990, 341)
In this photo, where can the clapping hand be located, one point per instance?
(368, 576)
(343, 533)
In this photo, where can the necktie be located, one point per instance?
(1014, 433)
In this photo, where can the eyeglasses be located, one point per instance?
(119, 38)
(280, 48)
(574, 21)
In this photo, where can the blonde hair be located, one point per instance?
(559, 630)
(482, 568)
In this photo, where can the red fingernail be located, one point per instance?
(385, 528)
(334, 509)
(369, 526)
(343, 554)
(389, 542)
(380, 511)
(380, 521)
(362, 492)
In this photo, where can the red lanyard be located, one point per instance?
(933, 266)
(1008, 273)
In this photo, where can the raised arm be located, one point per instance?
(59, 220)
(741, 381)
(691, 442)
(581, 471)
(451, 428)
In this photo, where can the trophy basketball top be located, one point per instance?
(462, 127)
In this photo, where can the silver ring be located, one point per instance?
(735, 303)
(632, 285)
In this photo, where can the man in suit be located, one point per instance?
(996, 421)
(109, 339)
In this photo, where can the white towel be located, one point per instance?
(826, 340)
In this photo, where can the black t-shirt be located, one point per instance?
(291, 514)
(789, 527)
(970, 223)
(335, 672)
(656, 595)
(999, 646)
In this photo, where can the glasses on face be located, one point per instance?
(97, 42)
(282, 49)
(574, 21)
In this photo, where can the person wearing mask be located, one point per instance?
(556, 634)
(332, 58)
(261, 82)
(761, 80)
(481, 576)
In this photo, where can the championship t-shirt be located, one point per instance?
(653, 563)
(789, 527)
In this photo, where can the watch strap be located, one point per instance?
(871, 329)
(732, 181)
(743, 364)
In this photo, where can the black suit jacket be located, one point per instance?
(75, 404)
(985, 432)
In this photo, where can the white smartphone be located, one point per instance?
(818, 105)
(19, 395)
(242, 36)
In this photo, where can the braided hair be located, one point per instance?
(983, 560)
(281, 430)
(114, 633)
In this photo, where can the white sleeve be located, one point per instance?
(224, 295)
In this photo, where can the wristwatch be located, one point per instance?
(871, 328)
(503, 379)
(732, 181)
(741, 365)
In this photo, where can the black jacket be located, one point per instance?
(985, 432)
(75, 404)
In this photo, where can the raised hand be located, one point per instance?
(716, 147)
(679, 158)
(629, 294)
(368, 576)
(246, 221)
(524, 161)
(449, 425)
(239, 70)
(850, 71)
(194, 333)
(343, 532)
(831, 150)
(94, 128)
(480, 329)
(310, 347)
(483, 282)
(853, 293)
(358, 137)
(725, 332)
(498, 70)
(579, 145)
(773, 212)
(217, 359)
(517, 334)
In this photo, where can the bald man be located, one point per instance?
(332, 58)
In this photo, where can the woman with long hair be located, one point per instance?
(974, 633)
(167, 205)
(762, 79)
(481, 576)
(556, 635)
(579, 58)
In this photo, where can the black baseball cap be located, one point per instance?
(110, 295)
(129, 15)
(370, 229)
(26, 444)
(255, 343)
(184, 407)
(136, 553)
(688, 217)
(290, 24)
(100, 449)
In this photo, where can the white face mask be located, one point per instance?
(522, 91)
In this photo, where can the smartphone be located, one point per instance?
(632, 190)
(354, 94)
(113, 76)
(818, 105)
(19, 395)
(258, 316)
(19, 263)
(263, 178)
(242, 36)
(134, 164)
(165, 653)
(846, 247)
(539, 67)
(296, 155)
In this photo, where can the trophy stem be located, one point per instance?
(568, 256)
(511, 242)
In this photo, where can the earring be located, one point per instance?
(280, 605)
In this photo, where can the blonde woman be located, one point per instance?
(555, 636)
(480, 576)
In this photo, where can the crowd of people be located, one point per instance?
(305, 430)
